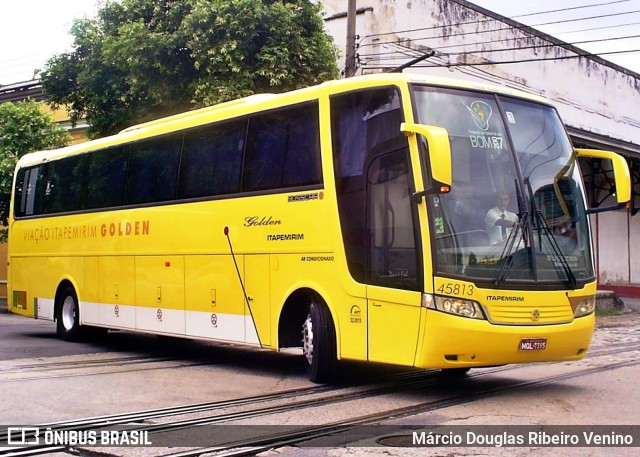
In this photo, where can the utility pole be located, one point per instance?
(350, 55)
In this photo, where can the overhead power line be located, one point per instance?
(591, 29)
(514, 48)
(564, 21)
(504, 62)
(476, 32)
(594, 5)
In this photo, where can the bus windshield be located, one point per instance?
(516, 209)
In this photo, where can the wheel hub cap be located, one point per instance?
(68, 313)
(307, 339)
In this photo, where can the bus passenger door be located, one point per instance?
(393, 272)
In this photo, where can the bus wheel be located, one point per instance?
(319, 344)
(68, 317)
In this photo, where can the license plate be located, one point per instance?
(533, 344)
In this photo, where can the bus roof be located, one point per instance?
(260, 102)
(208, 109)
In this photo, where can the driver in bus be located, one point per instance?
(499, 221)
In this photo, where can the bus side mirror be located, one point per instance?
(621, 175)
(439, 149)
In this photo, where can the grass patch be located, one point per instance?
(609, 312)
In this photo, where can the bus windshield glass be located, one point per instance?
(516, 209)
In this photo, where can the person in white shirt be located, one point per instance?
(499, 221)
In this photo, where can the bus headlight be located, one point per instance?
(585, 307)
(453, 305)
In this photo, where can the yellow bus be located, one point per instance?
(391, 218)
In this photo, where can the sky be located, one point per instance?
(32, 31)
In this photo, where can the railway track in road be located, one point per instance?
(313, 396)
(317, 396)
(34, 371)
(253, 446)
(139, 417)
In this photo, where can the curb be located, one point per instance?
(607, 302)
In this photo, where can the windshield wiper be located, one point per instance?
(508, 251)
(541, 222)
(522, 224)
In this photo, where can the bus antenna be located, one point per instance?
(244, 291)
(412, 62)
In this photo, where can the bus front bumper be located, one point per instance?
(448, 341)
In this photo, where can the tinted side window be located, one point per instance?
(107, 171)
(212, 160)
(283, 149)
(303, 165)
(24, 193)
(39, 190)
(152, 175)
(33, 190)
(66, 184)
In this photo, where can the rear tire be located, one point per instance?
(68, 316)
(319, 344)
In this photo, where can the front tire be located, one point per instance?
(319, 344)
(68, 316)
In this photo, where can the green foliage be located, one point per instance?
(143, 59)
(24, 128)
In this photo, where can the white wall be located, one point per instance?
(613, 250)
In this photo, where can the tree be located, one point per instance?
(143, 59)
(24, 128)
